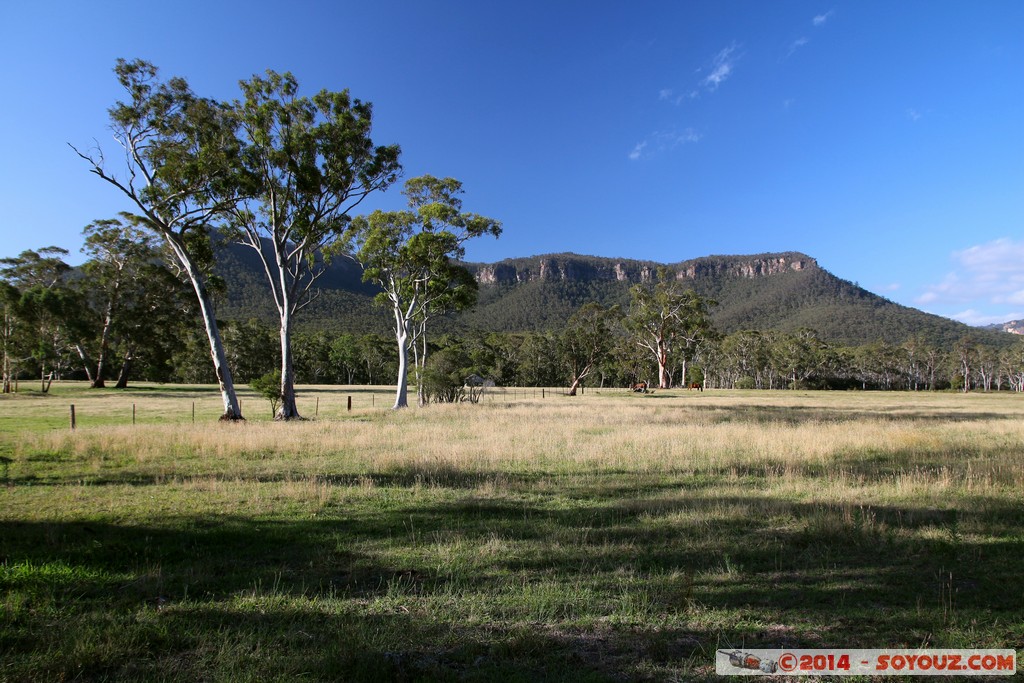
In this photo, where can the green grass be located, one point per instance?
(607, 537)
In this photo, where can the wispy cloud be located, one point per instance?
(913, 114)
(990, 274)
(663, 141)
(677, 98)
(797, 44)
(821, 19)
(721, 67)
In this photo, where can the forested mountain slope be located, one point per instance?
(783, 291)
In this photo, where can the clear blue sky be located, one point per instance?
(885, 139)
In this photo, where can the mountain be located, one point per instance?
(783, 291)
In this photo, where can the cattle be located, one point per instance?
(696, 385)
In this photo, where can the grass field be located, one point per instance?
(610, 536)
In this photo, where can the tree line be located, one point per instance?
(125, 314)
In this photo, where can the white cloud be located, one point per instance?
(721, 67)
(973, 316)
(986, 275)
(820, 19)
(663, 141)
(796, 45)
(913, 115)
(665, 94)
(1002, 256)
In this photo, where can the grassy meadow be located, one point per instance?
(610, 536)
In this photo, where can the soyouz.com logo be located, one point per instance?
(963, 662)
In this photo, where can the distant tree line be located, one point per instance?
(126, 315)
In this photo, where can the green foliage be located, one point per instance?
(269, 387)
(670, 321)
(413, 257)
(444, 375)
(586, 341)
(304, 164)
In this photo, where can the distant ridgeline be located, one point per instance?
(783, 291)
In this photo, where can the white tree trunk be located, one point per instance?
(232, 410)
(402, 337)
(288, 410)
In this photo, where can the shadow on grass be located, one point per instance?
(473, 587)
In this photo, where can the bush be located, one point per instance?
(746, 383)
(444, 377)
(269, 387)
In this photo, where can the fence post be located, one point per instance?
(133, 413)
(350, 404)
(193, 412)
(72, 416)
(316, 412)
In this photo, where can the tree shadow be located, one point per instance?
(613, 588)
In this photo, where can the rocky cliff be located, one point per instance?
(575, 268)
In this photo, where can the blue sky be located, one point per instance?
(885, 139)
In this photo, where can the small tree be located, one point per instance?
(269, 387)
(412, 255)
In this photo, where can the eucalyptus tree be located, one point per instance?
(412, 256)
(305, 164)
(797, 357)
(668, 320)
(1012, 365)
(10, 327)
(178, 151)
(965, 356)
(587, 341)
(121, 264)
(344, 356)
(41, 314)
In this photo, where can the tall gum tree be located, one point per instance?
(413, 256)
(667, 319)
(305, 164)
(178, 154)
